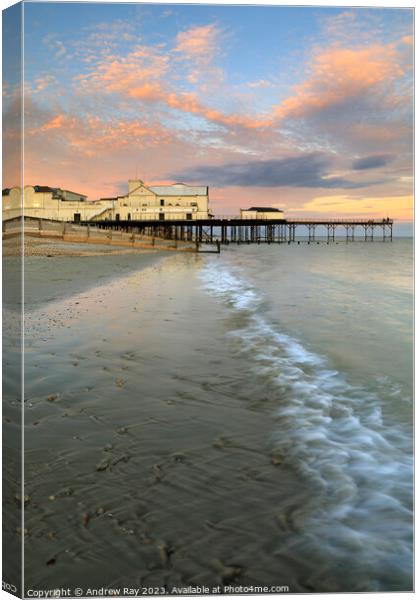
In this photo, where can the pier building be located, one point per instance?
(261, 212)
(175, 202)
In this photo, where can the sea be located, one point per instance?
(242, 418)
(329, 327)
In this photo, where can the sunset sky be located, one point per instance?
(306, 109)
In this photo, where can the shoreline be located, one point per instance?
(56, 270)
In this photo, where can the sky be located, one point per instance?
(308, 109)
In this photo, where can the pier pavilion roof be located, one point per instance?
(179, 189)
(264, 209)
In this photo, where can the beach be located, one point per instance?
(140, 461)
(177, 433)
(49, 247)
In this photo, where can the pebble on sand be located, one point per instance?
(26, 499)
(103, 465)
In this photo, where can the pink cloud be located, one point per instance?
(189, 102)
(199, 43)
(56, 122)
(92, 136)
(340, 74)
(116, 74)
(144, 75)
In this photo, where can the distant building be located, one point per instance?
(178, 201)
(261, 212)
(50, 203)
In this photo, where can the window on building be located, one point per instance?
(189, 216)
(162, 202)
(161, 216)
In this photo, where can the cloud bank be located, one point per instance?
(371, 162)
(310, 171)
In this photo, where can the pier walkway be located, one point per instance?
(227, 230)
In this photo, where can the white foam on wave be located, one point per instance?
(358, 469)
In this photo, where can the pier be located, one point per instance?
(225, 230)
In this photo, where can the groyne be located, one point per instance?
(70, 232)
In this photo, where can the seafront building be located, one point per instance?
(142, 203)
(45, 202)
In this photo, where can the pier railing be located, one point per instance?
(348, 221)
(301, 220)
(257, 217)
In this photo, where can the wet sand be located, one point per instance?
(148, 452)
(55, 269)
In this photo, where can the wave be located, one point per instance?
(357, 520)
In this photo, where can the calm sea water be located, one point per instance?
(329, 327)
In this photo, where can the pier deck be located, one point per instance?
(226, 230)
